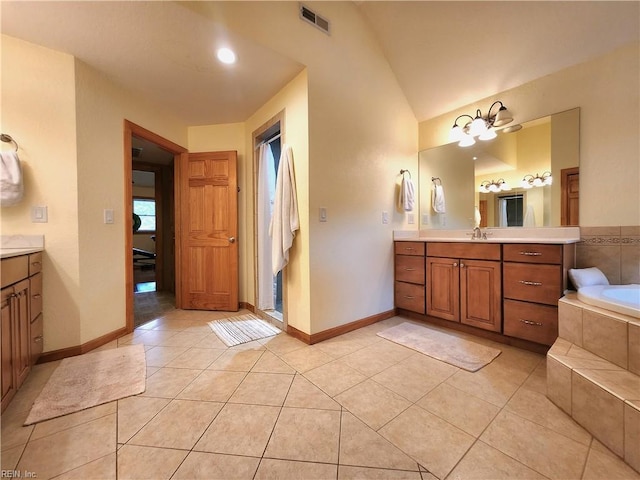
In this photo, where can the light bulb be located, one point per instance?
(466, 141)
(226, 55)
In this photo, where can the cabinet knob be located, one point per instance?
(461, 265)
(455, 264)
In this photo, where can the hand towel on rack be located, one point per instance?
(437, 199)
(407, 194)
(284, 222)
(11, 188)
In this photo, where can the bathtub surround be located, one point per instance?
(615, 250)
(593, 374)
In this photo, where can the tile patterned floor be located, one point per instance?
(356, 406)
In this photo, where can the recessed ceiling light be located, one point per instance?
(226, 55)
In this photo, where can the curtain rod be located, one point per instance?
(275, 137)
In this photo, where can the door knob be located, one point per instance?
(232, 239)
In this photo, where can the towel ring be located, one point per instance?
(436, 180)
(8, 139)
(402, 172)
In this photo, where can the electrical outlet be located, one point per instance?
(411, 219)
(385, 218)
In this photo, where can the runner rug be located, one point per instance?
(91, 379)
(242, 329)
(448, 348)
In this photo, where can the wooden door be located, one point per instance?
(480, 294)
(570, 193)
(443, 288)
(208, 231)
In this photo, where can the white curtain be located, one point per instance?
(266, 194)
(502, 205)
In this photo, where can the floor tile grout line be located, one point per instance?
(273, 429)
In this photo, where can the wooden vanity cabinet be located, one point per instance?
(409, 285)
(465, 288)
(534, 279)
(509, 290)
(21, 297)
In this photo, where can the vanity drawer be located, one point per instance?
(410, 248)
(537, 323)
(35, 290)
(14, 269)
(532, 283)
(35, 263)
(532, 253)
(410, 269)
(410, 297)
(477, 251)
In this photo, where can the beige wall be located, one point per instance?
(41, 117)
(362, 132)
(68, 119)
(606, 90)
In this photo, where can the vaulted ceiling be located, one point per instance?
(444, 54)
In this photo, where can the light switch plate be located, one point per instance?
(323, 214)
(108, 215)
(39, 214)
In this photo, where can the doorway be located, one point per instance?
(150, 254)
(267, 141)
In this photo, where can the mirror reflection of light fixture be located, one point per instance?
(529, 181)
(479, 126)
(494, 186)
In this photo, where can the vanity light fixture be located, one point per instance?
(529, 181)
(494, 186)
(479, 126)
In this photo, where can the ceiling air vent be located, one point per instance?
(314, 19)
(136, 152)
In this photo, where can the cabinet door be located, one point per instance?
(443, 288)
(8, 384)
(480, 294)
(22, 345)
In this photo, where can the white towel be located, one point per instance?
(407, 195)
(437, 199)
(284, 221)
(10, 179)
(529, 217)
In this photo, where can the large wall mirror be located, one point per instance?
(543, 147)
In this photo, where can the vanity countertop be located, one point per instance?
(555, 235)
(16, 245)
(16, 252)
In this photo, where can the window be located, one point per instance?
(145, 208)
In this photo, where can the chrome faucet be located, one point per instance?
(477, 234)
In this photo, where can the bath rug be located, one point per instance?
(442, 346)
(242, 329)
(92, 379)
